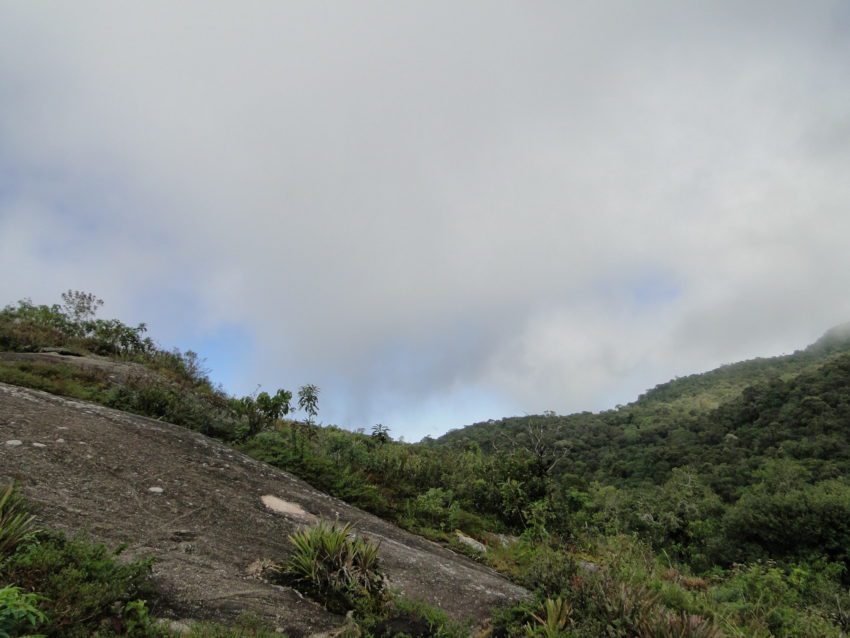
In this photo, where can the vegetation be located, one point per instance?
(714, 505)
(159, 383)
(332, 564)
(67, 588)
(340, 569)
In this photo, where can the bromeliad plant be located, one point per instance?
(332, 564)
(16, 525)
(552, 619)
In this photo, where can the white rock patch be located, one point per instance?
(288, 508)
(155, 490)
(14, 442)
(39, 445)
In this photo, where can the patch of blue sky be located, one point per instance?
(445, 411)
(643, 289)
(653, 289)
(228, 354)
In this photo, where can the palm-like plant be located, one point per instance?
(680, 625)
(554, 617)
(16, 525)
(329, 561)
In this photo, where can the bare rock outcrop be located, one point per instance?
(206, 513)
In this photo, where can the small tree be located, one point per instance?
(80, 306)
(308, 400)
(264, 410)
(381, 433)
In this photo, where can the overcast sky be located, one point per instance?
(439, 212)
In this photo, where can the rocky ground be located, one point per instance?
(206, 513)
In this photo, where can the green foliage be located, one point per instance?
(57, 378)
(381, 433)
(552, 619)
(246, 626)
(308, 400)
(338, 568)
(17, 526)
(18, 612)
(435, 508)
(776, 519)
(83, 589)
(262, 411)
(73, 326)
(714, 500)
(80, 306)
(414, 619)
(768, 600)
(665, 624)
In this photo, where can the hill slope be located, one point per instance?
(725, 421)
(195, 505)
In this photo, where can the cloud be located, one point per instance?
(437, 212)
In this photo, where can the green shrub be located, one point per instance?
(553, 617)
(62, 379)
(624, 609)
(765, 600)
(665, 624)
(18, 612)
(16, 525)
(414, 619)
(336, 567)
(85, 591)
(246, 626)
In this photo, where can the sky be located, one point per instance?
(439, 212)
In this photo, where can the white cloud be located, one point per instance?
(433, 204)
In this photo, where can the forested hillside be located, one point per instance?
(722, 423)
(715, 504)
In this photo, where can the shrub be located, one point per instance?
(665, 624)
(336, 567)
(552, 619)
(85, 590)
(626, 609)
(246, 626)
(18, 612)
(16, 525)
(414, 619)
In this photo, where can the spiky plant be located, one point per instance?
(553, 618)
(625, 608)
(16, 524)
(332, 564)
(679, 625)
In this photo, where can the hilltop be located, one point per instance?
(710, 421)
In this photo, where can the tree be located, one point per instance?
(308, 400)
(80, 306)
(263, 410)
(534, 441)
(381, 433)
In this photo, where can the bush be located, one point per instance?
(16, 525)
(18, 612)
(84, 590)
(336, 567)
(246, 626)
(553, 617)
(414, 619)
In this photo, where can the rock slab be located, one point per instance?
(161, 488)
